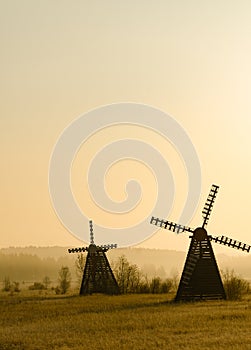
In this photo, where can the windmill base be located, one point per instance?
(199, 297)
(98, 276)
(200, 279)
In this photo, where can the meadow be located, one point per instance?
(42, 320)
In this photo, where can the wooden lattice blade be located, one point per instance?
(168, 225)
(209, 204)
(78, 250)
(92, 247)
(104, 248)
(91, 232)
(233, 243)
(108, 246)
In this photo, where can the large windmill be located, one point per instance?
(200, 278)
(98, 276)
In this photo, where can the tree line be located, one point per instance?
(27, 267)
(130, 279)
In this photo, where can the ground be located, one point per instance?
(47, 321)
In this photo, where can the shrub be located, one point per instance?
(10, 287)
(37, 286)
(57, 290)
(235, 286)
(144, 287)
(158, 286)
(166, 286)
(15, 287)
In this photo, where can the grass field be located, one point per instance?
(29, 321)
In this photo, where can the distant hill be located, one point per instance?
(33, 263)
(41, 252)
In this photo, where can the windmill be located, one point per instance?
(98, 276)
(200, 278)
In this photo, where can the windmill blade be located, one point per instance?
(233, 243)
(170, 225)
(91, 232)
(108, 246)
(78, 250)
(209, 204)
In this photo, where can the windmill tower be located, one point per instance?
(200, 278)
(98, 276)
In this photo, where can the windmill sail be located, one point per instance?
(233, 243)
(168, 225)
(209, 204)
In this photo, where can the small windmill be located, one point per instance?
(98, 276)
(200, 278)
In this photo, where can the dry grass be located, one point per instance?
(121, 322)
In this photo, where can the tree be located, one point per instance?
(46, 282)
(6, 284)
(9, 286)
(131, 279)
(79, 265)
(127, 275)
(144, 286)
(155, 285)
(64, 279)
(175, 280)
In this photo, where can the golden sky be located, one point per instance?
(60, 59)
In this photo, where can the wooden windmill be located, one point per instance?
(200, 278)
(98, 276)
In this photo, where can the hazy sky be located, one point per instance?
(60, 59)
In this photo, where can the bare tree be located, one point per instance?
(128, 275)
(79, 265)
(6, 284)
(155, 285)
(64, 279)
(46, 282)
